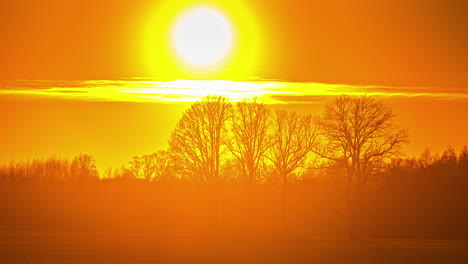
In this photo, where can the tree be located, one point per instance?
(426, 159)
(136, 168)
(250, 139)
(449, 158)
(360, 131)
(164, 167)
(156, 166)
(83, 168)
(199, 137)
(463, 158)
(294, 137)
(249, 142)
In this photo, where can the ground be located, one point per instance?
(68, 247)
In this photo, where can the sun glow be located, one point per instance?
(218, 39)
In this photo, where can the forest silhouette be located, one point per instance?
(246, 167)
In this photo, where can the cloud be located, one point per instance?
(270, 91)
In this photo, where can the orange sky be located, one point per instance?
(411, 54)
(387, 42)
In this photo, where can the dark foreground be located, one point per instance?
(65, 247)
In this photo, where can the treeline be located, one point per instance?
(422, 197)
(427, 169)
(52, 169)
(218, 141)
(437, 170)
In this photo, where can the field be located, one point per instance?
(66, 247)
(155, 223)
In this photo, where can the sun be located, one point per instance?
(190, 39)
(202, 36)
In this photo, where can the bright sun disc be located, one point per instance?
(200, 40)
(202, 36)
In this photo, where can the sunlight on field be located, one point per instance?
(269, 91)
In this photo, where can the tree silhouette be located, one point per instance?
(148, 164)
(83, 168)
(449, 158)
(294, 137)
(426, 158)
(52, 169)
(249, 142)
(152, 167)
(56, 169)
(199, 137)
(164, 167)
(250, 139)
(136, 168)
(360, 131)
(463, 158)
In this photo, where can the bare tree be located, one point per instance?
(463, 158)
(198, 139)
(294, 137)
(164, 166)
(156, 166)
(362, 132)
(83, 167)
(426, 158)
(449, 158)
(249, 143)
(51, 169)
(148, 164)
(250, 139)
(136, 168)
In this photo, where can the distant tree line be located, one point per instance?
(52, 169)
(429, 170)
